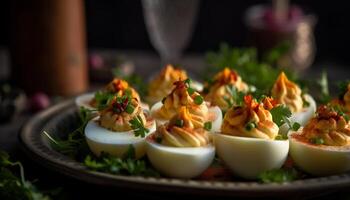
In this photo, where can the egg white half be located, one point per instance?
(101, 139)
(301, 117)
(319, 160)
(84, 100)
(249, 157)
(180, 162)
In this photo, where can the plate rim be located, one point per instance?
(49, 158)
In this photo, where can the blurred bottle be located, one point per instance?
(48, 46)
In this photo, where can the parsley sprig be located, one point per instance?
(280, 115)
(139, 128)
(122, 104)
(103, 99)
(14, 187)
(278, 175)
(75, 144)
(126, 165)
(235, 97)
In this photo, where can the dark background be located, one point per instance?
(119, 25)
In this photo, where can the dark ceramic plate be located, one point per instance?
(60, 119)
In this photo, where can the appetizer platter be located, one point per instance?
(223, 136)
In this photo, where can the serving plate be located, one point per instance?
(59, 120)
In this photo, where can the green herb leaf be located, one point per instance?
(281, 137)
(236, 97)
(103, 99)
(13, 187)
(317, 141)
(129, 109)
(250, 125)
(179, 123)
(207, 126)
(137, 125)
(245, 61)
(198, 99)
(125, 166)
(75, 144)
(296, 126)
(278, 176)
(163, 100)
(190, 91)
(280, 114)
(188, 82)
(134, 80)
(158, 139)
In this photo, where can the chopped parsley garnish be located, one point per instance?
(127, 165)
(122, 104)
(138, 127)
(235, 97)
(163, 100)
(317, 141)
(343, 88)
(103, 99)
(250, 126)
(281, 137)
(278, 175)
(198, 99)
(179, 123)
(341, 111)
(75, 144)
(129, 109)
(158, 139)
(190, 91)
(188, 82)
(305, 102)
(13, 186)
(207, 126)
(280, 114)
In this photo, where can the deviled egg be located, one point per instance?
(117, 87)
(217, 91)
(302, 106)
(112, 130)
(343, 101)
(184, 95)
(246, 143)
(162, 84)
(322, 147)
(181, 148)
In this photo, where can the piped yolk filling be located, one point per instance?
(288, 93)
(250, 120)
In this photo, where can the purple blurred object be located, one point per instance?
(297, 29)
(96, 61)
(39, 101)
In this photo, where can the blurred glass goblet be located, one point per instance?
(170, 24)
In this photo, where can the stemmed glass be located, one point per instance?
(170, 25)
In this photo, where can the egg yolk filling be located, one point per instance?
(118, 87)
(120, 111)
(163, 83)
(249, 120)
(180, 96)
(346, 98)
(288, 93)
(121, 88)
(217, 90)
(183, 130)
(329, 126)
